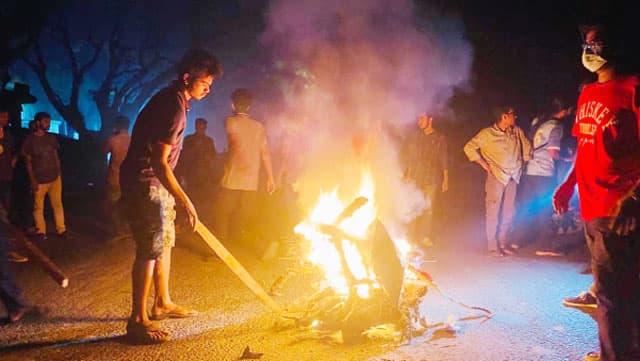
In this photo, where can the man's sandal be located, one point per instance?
(141, 334)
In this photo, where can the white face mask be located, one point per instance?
(592, 62)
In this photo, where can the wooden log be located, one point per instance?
(236, 267)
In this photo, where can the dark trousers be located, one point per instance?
(422, 226)
(10, 294)
(234, 213)
(535, 209)
(615, 261)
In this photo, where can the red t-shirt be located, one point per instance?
(608, 157)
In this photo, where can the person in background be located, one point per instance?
(196, 167)
(237, 197)
(116, 147)
(8, 159)
(539, 179)
(427, 165)
(40, 150)
(501, 150)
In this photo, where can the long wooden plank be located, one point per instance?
(236, 267)
(36, 254)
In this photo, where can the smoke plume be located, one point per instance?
(363, 71)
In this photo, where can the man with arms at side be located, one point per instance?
(196, 167)
(607, 172)
(237, 197)
(150, 189)
(426, 164)
(40, 150)
(116, 146)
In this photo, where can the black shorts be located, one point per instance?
(151, 217)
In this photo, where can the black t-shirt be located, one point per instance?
(162, 120)
(197, 157)
(43, 151)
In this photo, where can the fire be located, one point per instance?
(323, 249)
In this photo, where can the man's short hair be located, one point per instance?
(502, 109)
(199, 63)
(41, 115)
(201, 120)
(242, 99)
(122, 122)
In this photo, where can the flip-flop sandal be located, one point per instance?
(178, 312)
(140, 334)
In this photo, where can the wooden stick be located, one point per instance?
(236, 267)
(42, 259)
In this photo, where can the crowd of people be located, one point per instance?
(155, 168)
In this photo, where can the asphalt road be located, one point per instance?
(86, 320)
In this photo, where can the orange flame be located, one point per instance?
(323, 251)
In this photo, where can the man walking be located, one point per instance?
(150, 189)
(116, 146)
(248, 149)
(501, 150)
(607, 172)
(40, 150)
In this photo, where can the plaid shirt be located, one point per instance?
(426, 157)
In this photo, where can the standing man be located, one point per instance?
(8, 161)
(150, 189)
(501, 150)
(237, 198)
(607, 172)
(539, 179)
(196, 166)
(40, 150)
(116, 146)
(426, 164)
(11, 295)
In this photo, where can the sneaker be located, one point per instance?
(17, 257)
(549, 253)
(592, 356)
(584, 300)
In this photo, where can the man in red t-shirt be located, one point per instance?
(607, 172)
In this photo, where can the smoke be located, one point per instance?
(362, 72)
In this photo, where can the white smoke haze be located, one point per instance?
(371, 71)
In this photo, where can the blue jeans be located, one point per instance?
(615, 264)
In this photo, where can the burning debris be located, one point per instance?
(366, 291)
